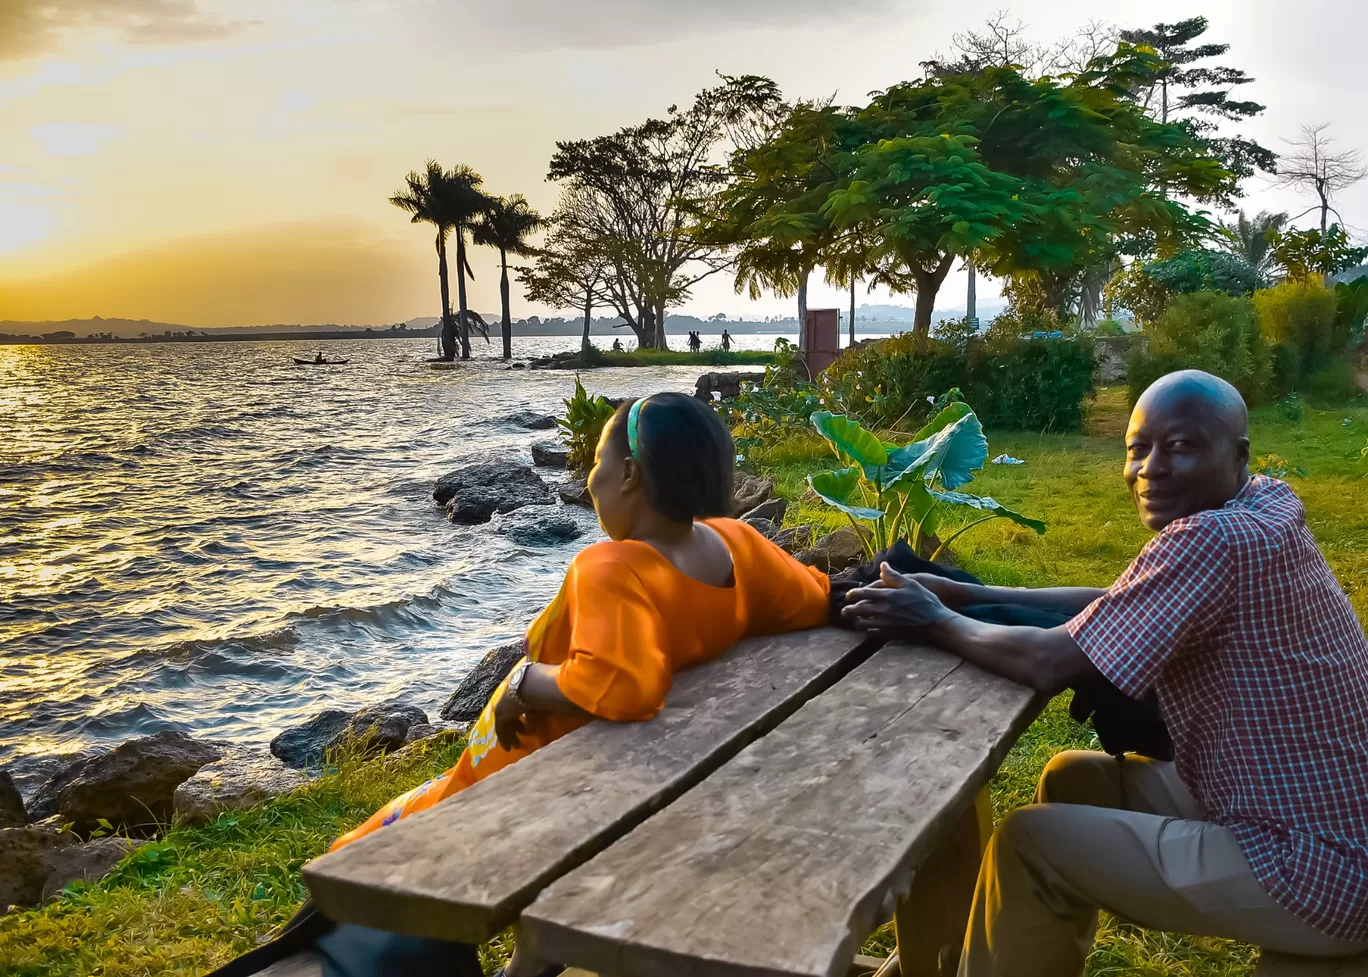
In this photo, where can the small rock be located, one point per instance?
(576, 492)
(470, 697)
(762, 526)
(372, 730)
(773, 510)
(540, 527)
(748, 491)
(242, 779)
(439, 731)
(793, 538)
(475, 493)
(11, 803)
(37, 860)
(485, 475)
(833, 552)
(550, 454)
(130, 786)
(712, 386)
(529, 420)
(303, 745)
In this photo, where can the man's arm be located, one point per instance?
(955, 595)
(1045, 659)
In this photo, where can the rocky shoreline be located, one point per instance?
(82, 821)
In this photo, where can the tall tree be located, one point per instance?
(568, 273)
(635, 193)
(506, 225)
(1313, 165)
(422, 198)
(1184, 89)
(1249, 240)
(465, 204)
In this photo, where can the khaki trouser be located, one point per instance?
(1127, 838)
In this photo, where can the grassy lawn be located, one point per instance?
(670, 357)
(193, 900)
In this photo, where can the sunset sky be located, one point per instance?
(229, 162)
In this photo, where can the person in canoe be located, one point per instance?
(318, 358)
(677, 583)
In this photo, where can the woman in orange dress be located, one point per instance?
(677, 584)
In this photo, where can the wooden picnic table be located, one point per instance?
(788, 798)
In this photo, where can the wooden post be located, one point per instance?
(936, 910)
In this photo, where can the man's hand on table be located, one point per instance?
(898, 601)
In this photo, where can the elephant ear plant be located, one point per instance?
(891, 492)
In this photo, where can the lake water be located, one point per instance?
(206, 537)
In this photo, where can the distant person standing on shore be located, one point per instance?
(695, 343)
(726, 341)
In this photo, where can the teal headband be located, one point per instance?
(633, 416)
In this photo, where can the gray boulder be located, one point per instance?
(37, 860)
(714, 386)
(762, 526)
(833, 552)
(468, 701)
(130, 786)
(529, 420)
(749, 491)
(772, 510)
(475, 493)
(576, 492)
(242, 779)
(792, 539)
(550, 454)
(375, 729)
(11, 803)
(540, 527)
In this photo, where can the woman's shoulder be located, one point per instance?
(610, 554)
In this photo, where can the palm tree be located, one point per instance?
(506, 226)
(1247, 240)
(450, 200)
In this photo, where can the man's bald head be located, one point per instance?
(1199, 391)
(1187, 447)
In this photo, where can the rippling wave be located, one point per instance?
(207, 537)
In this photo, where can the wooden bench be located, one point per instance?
(788, 796)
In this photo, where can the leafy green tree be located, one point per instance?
(569, 272)
(1311, 254)
(1198, 270)
(422, 199)
(635, 195)
(506, 225)
(1247, 239)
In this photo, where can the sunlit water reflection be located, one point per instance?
(207, 537)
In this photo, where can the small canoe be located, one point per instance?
(299, 362)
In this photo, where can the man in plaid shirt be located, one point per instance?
(1258, 831)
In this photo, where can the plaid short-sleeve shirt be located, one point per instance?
(1234, 618)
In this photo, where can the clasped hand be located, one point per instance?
(509, 723)
(899, 601)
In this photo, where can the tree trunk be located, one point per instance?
(802, 308)
(662, 341)
(503, 296)
(852, 310)
(928, 284)
(971, 298)
(463, 322)
(447, 339)
(588, 314)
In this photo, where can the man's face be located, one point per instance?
(1181, 458)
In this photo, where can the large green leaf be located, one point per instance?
(954, 453)
(853, 443)
(986, 504)
(841, 488)
(949, 415)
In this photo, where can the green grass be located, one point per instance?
(1074, 483)
(201, 895)
(669, 357)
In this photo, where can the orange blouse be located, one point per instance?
(625, 620)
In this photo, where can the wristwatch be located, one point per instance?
(514, 689)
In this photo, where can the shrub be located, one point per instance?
(1108, 328)
(582, 426)
(1298, 320)
(1019, 383)
(1209, 331)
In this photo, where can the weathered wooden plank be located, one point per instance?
(777, 863)
(464, 869)
(1281, 965)
(936, 910)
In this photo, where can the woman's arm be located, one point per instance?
(541, 693)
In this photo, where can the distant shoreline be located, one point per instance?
(27, 340)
